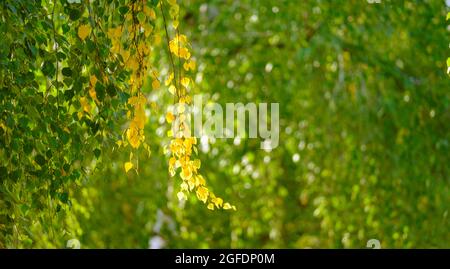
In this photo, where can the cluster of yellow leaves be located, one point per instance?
(87, 104)
(182, 146)
(86, 107)
(189, 65)
(128, 166)
(135, 132)
(115, 34)
(92, 92)
(131, 41)
(181, 92)
(178, 46)
(84, 31)
(174, 10)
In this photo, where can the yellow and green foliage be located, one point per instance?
(89, 90)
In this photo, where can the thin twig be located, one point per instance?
(168, 47)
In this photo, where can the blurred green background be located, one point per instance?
(364, 135)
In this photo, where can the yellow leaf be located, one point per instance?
(172, 161)
(169, 117)
(115, 33)
(142, 100)
(132, 64)
(149, 12)
(185, 82)
(174, 11)
(83, 31)
(189, 65)
(85, 104)
(181, 38)
(93, 94)
(93, 80)
(155, 84)
(169, 79)
(140, 118)
(148, 29)
(184, 53)
(202, 194)
(191, 183)
(133, 135)
(192, 65)
(125, 55)
(143, 47)
(217, 202)
(197, 163)
(128, 166)
(186, 66)
(186, 173)
(133, 100)
(172, 89)
(200, 180)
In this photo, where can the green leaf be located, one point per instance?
(100, 90)
(74, 14)
(97, 153)
(32, 49)
(66, 28)
(66, 71)
(48, 69)
(90, 45)
(111, 90)
(39, 159)
(64, 197)
(68, 95)
(123, 10)
(27, 148)
(3, 172)
(46, 24)
(61, 56)
(141, 17)
(64, 137)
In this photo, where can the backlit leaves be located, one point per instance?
(75, 78)
(182, 145)
(128, 166)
